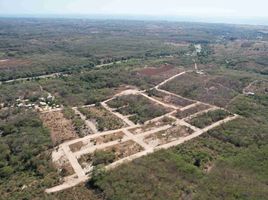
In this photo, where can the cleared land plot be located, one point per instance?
(138, 108)
(154, 71)
(209, 118)
(110, 154)
(103, 119)
(216, 90)
(152, 125)
(169, 99)
(166, 136)
(13, 63)
(190, 111)
(96, 141)
(61, 129)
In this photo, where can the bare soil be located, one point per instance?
(153, 125)
(152, 71)
(108, 138)
(13, 63)
(182, 114)
(169, 135)
(171, 99)
(124, 149)
(61, 129)
(76, 146)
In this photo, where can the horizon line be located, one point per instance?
(239, 20)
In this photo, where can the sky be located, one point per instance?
(196, 8)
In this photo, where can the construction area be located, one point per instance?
(131, 124)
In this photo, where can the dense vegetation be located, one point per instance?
(25, 169)
(229, 162)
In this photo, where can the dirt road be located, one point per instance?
(80, 174)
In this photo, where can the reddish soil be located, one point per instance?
(153, 71)
(10, 63)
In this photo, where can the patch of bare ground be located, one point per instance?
(124, 149)
(114, 152)
(190, 111)
(158, 74)
(208, 167)
(108, 138)
(76, 146)
(153, 71)
(13, 63)
(61, 129)
(152, 125)
(166, 136)
(169, 99)
(96, 141)
(62, 163)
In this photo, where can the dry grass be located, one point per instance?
(61, 129)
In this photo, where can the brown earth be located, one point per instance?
(61, 129)
(153, 71)
(10, 63)
(124, 149)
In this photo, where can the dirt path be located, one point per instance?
(129, 136)
(169, 79)
(137, 140)
(249, 85)
(122, 117)
(159, 102)
(196, 134)
(89, 124)
(76, 166)
(199, 113)
(190, 106)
